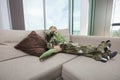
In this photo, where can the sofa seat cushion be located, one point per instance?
(12, 44)
(84, 68)
(30, 68)
(9, 52)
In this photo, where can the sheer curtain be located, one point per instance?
(91, 17)
(4, 15)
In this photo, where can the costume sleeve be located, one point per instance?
(60, 38)
(47, 54)
(48, 35)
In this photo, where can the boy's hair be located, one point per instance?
(53, 27)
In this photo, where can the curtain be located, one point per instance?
(17, 16)
(91, 17)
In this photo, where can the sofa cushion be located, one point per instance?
(18, 35)
(9, 52)
(9, 44)
(15, 35)
(84, 68)
(30, 68)
(33, 44)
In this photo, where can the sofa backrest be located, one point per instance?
(14, 35)
(18, 35)
(10, 38)
(95, 40)
(65, 33)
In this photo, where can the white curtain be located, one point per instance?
(4, 15)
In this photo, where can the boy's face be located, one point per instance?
(53, 29)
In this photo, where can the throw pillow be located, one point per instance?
(33, 44)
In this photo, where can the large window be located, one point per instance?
(41, 14)
(57, 13)
(115, 29)
(80, 17)
(33, 14)
(76, 16)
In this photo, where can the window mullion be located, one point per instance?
(71, 16)
(44, 14)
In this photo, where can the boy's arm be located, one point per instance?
(60, 38)
(47, 54)
(48, 35)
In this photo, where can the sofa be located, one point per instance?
(18, 65)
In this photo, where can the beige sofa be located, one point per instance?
(17, 65)
(83, 68)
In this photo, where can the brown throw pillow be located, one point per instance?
(33, 44)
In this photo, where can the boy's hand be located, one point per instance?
(55, 32)
(58, 48)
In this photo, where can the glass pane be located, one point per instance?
(57, 13)
(76, 17)
(116, 13)
(116, 31)
(33, 14)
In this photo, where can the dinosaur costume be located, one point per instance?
(99, 53)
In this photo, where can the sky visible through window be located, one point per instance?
(33, 14)
(57, 13)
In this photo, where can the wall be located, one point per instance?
(103, 13)
(4, 15)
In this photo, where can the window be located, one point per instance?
(41, 14)
(80, 17)
(115, 29)
(33, 14)
(57, 13)
(76, 17)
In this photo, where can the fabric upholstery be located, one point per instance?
(9, 44)
(65, 33)
(9, 52)
(17, 65)
(84, 68)
(33, 44)
(18, 35)
(30, 68)
(15, 35)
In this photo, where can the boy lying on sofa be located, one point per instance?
(56, 43)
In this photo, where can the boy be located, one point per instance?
(56, 43)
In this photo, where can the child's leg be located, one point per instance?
(104, 57)
(47, 54)
(77, 48)
(113, 54)
(104, 46)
